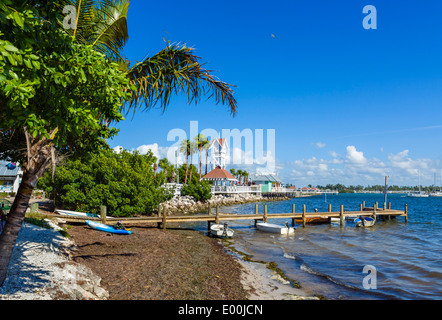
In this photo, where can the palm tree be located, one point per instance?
(233, 172)
(185, 148)
(239, 175)
(246, 177)
(200, 141)
(175, 69)
(206, 146)
(193, 149)
(165, 165)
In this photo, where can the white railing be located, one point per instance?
(236, 189)
(175, 188)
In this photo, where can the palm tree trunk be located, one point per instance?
(207, 155)
(187, 168)
(191, 161)
(200, 164)
(33, 171)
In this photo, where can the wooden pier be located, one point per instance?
(162, 220)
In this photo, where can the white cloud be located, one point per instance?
(319, 145)
(355, 156)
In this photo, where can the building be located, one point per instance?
(267, 181)
(220, 177)
(10, 176)
(219, 148)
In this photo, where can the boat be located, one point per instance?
(364, 222)
(106, 228)
(275, 228)
(221, 231)
(436, 194)
(419, 194)
(76, 213)
(313, 220)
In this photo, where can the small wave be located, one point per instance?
(289, 256)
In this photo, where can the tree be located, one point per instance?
(200, 141)
(193, 149)
(55, 98)
(206, 147)
(123, 182)
(64, 87)
(185, 148)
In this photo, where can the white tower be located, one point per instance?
(219, 149)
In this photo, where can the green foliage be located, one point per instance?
(123, 182)
(200, 190)
(47, 81)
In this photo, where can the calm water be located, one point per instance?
(329, 260)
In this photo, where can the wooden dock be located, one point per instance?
(216, 217)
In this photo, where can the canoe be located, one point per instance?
(313, 220)
(221, 231)
(364, 222)
(106, 228)
(76, 214)
(275, 228)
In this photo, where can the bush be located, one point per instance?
(123, 182)
(201, 191)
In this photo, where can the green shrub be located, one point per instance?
(201, 191)
(123, 182)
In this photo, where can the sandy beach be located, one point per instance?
(151, 264)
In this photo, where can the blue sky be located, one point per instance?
(348, 105)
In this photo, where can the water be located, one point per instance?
(329, 259)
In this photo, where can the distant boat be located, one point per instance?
(221, 231)
(364, 222)
(419, 194)
(104, 227)
(436, 194)
(275, 228)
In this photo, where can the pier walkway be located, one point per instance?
(162, 219)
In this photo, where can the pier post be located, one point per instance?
(303, 216)
(329, 207)
(163, 209)
(256, 212)
(209, 212)
(265, 213)
(389, 206)
(217, 215)
(293, 211)
(341, 215)
(363, 205)
(406, 212)
(103, 212)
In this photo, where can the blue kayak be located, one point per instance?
(104, 227)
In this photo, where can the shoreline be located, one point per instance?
(45, 266)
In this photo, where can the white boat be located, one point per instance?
(76, 213)
(221, 231)
(436, 194)
(275, 228)
(364, 222)
(419, 194)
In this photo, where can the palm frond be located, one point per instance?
(174, 70)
